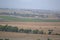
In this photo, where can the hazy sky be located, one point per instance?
(31, 4)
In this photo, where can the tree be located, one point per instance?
(3, 28)
(15, 29)
(8, 28)
(11, 29)
(21, 30)
(50, 31)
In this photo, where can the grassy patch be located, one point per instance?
(10, 18)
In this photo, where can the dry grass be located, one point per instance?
(23, 36)
(31, 25)
(35, 25)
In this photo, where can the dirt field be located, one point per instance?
(23, 36)
(32, 25)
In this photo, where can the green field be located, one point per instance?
(10, 18)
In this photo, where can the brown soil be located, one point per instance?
(32, 25)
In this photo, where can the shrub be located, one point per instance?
(57, 34)
(8, 28)
(21, 30)
(11, 29)
(27, 30)
(15, 29)
(50, 31)
(35, 31)
(41, 32)
(3, 28)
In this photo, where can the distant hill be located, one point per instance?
(30, 13)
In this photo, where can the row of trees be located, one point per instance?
(8, 28)
(30, 31)
(15, 29)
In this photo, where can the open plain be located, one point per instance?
(45, 26)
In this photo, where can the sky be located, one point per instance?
(31, 4)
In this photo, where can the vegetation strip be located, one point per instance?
(29, 31)
(10, 18)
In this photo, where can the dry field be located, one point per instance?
(35, 25)
(23, 36)
(32, 25)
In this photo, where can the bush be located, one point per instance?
(27, 31)
(3, 28)
(21, 30)
(50, 32)
(57, 34)
(41, 32)
(12, 29)
(8, 28)
(15, 29)
(35, 31)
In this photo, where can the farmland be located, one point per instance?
(32, 25)
(23, 36)
(11, 18)
(30, 19)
